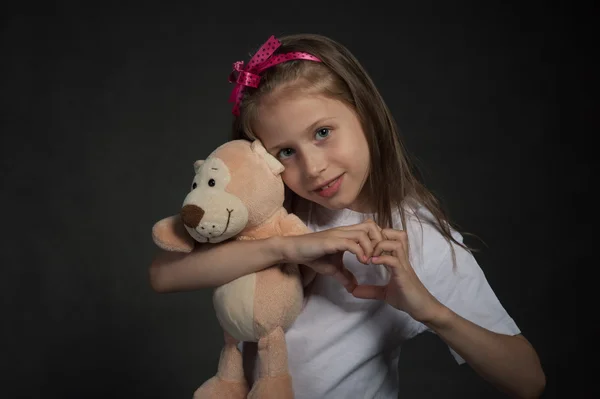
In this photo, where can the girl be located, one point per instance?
(378, 231)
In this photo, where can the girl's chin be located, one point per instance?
(334, 204)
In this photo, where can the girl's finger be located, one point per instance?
(392, 263)
(388, 247)
(346, 278)
(362, 238)
(397, 235)
(374, 230)
(347, 244)
(370, 292)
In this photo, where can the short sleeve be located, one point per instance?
(465, 290)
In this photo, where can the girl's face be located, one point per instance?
(322, 145)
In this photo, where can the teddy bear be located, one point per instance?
(238, 193)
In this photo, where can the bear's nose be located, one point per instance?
(191, 215)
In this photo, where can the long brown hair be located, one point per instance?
(393, 180)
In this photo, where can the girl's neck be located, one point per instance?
(362, 205)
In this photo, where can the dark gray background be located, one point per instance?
(106, 108)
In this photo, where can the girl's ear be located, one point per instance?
(275, 166)
(197, 165)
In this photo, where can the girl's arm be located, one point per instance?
(509, 362)
(211, 265)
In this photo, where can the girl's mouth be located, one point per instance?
(331, 188)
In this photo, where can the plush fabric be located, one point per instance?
(237, 192)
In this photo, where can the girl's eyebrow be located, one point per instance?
(317, 123)
(273, 148)
(308, 129)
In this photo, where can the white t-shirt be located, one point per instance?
(344, 347)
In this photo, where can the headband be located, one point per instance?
(261, 60)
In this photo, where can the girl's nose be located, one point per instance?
(315, 163)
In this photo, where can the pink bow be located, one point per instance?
(261, 60)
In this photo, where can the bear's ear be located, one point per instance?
(197, 165)
(275, 166)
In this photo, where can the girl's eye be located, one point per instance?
(322, 133)
(286, 152)
(212, 182)
(194, 186)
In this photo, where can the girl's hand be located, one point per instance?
(404, 290)
(323, 251)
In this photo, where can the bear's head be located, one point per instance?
(237, 187)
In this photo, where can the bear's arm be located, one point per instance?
(170, 235)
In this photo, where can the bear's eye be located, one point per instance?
(212, 182)
(194, 186)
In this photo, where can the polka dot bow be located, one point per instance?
(249, 76)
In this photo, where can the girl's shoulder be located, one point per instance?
(418, 217)
(428, 247)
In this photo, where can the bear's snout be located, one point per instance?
(191, 215)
